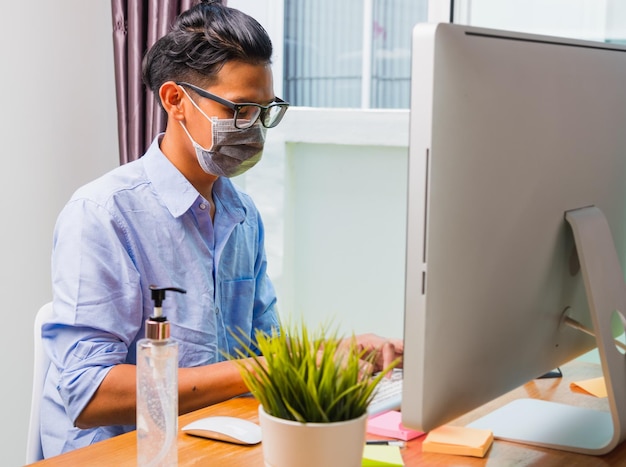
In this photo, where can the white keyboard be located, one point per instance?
(388, 394)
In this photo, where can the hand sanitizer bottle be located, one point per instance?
(157, 389)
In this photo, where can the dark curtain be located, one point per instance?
(137, 24)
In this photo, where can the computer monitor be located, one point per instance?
(514, 139)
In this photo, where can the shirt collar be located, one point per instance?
(177, 193)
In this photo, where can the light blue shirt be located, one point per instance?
(142, 224)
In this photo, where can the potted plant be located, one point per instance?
(313, 395)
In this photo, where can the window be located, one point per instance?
(349, 53)
(598, 20)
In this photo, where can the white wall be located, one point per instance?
(58, 131)
(332, 191)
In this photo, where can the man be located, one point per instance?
(171, 218)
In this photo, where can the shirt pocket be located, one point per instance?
(235, 310)
(237, 301)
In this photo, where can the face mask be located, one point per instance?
(233, 151)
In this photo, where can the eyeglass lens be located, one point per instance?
(247, 115)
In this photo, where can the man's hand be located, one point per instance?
(381, 350)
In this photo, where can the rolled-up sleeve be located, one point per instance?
(96, 288)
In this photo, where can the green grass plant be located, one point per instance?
(315, 377)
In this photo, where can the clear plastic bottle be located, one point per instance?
(157, 390)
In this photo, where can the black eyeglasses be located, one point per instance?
(246, 114)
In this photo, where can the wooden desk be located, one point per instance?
(121, 451)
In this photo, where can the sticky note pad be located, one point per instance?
(595, 386)
(390, 424)
(379, 456)
(458, 440)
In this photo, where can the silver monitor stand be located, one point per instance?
(566, 427)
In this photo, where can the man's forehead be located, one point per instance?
(240, 82)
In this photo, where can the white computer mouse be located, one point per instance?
(230, 429)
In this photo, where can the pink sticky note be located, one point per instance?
(390, 424)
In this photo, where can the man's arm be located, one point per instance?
(114, 402)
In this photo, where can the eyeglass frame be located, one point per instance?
(236, 107)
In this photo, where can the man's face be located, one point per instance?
(237, 82)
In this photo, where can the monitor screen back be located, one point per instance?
(508, 131)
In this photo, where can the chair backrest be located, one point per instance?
(40, 367)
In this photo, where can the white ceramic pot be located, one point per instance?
(293, 444)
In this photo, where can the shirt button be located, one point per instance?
(202, 206)
(217, 310)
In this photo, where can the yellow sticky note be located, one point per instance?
(595, 386)
(448, 439)
(378, 456)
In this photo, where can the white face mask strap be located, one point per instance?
(196, 106)
(193, 141)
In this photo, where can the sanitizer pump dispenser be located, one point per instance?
(157, 389)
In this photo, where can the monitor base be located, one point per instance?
(550, 425)
(570, 428)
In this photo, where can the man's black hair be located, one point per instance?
(201, 41)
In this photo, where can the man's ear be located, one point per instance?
(171, 96)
